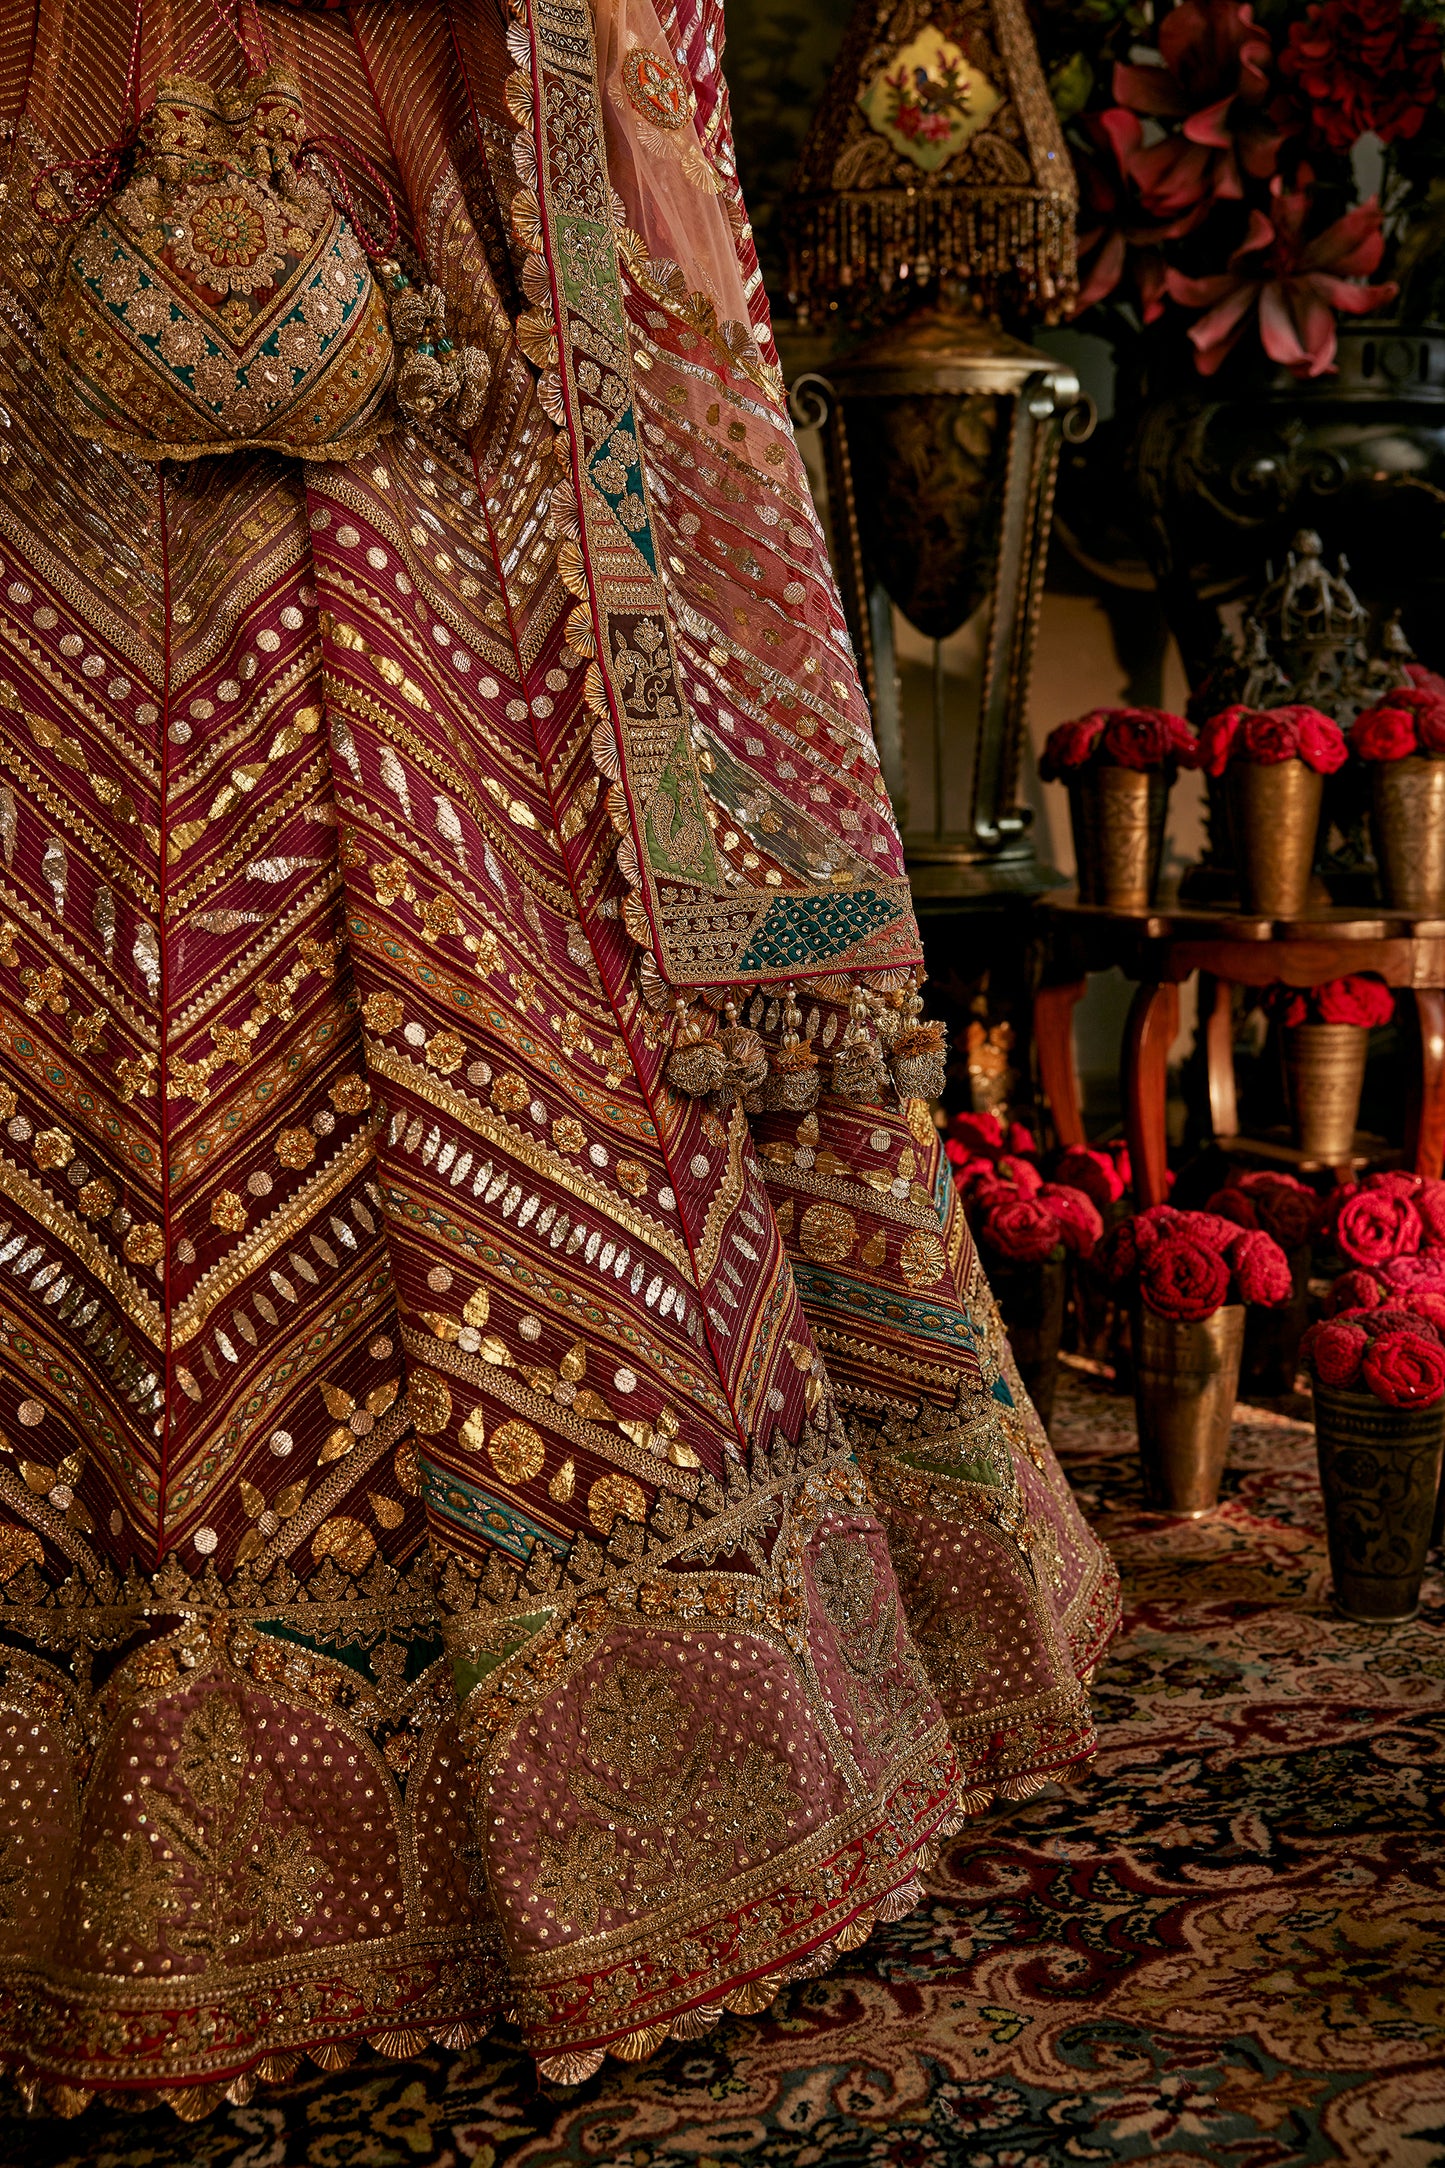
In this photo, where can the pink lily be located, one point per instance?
(1296, 284)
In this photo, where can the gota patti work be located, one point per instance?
(448, 1477)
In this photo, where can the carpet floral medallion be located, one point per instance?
(1226, 1944)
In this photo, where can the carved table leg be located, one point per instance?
(1153, 1021)
(1054, 1008)
(1216, 1006)
(1425, 1139)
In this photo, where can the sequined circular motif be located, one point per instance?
(922, 1259)
(614, 1494)
(657, 90)
(517, 1451)
(827, 1233)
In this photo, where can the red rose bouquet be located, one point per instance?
(1271, 735)
(1119, 738)
(1409, 720)
(1187, 1265)
(1101, 1175)
(1390, 1351)
(1374, 1222)
(1015, 1214)
(1361, 999)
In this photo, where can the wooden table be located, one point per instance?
(1163, 947)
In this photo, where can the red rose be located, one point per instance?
(1334, 1351)
(1022, 1173)
(1077, 1215)
(1321, 742)
(1430, 1204)
(1398, 1316)
(1284, 1206)
(1386, 733)
(1405, 1370)
(1022, 1140)
(1216, 740)
(1146, 737)
(1072, 744)
(1269, 735)
(1261, 1269)
(1359, 999)
(1182, 1279)
(985, 1190)
(1354, 1291)
(1095, 1173)
(1372, 1225)
(1206, 1227)
(1232, 1204)
(1397, 1183)
(1430, 723)
(1021, 1229)
(1430, 1304)
(980, 1132)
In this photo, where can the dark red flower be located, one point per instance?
(980, 1132)
(1397, 1316)
(1079, 1223)
(1117, 236)
(1070, 745)
(1358, 999)
(1232, 1204)
(1095, 1173)
(1269, 736)
(1384, 733)
(1180, 1278)
(1147, 738)
(1022, 1140)
(1405, 1370)
(1321, 740)
(1372, 1225)
(1363, 66)
(1354, 1291)
(1284, 1206)
(1261, 1269)
(1216, 739)
(1022, 1173)
(1206, 1227)
(1397, 1181)
(1334, 1350)
(1296, 280)
(1213, 83)
(1021, 1229)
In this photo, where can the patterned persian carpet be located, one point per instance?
(1226, 1944)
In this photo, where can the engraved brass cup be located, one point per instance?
(1324, 1070)
(1407, 820)
(1380, 1474)
(1274, 818)
(1118, 822)
(1186, 1380)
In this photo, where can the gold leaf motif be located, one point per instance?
(404, 1466)
(612, 1495)
(573, 1365)
(591, 1406)
(642, 1434)
(338, 1445)
(252, 1499)
(38, 1479)
(494, 1351)
(349, 1542)
(478, 1308)
(389, 1513)
(289, 1500)
(473, 1432)
(517, 1451)
(564, 1482)
(381, 1397)
(338, 1404)
(429, 1402)
(681, 1455)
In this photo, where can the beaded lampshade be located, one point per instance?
(935, 156)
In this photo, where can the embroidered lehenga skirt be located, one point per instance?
(482, 1530)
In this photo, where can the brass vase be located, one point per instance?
(1186, 1380)
(1407, 821)
(1380, 1474)
(1118, 821)
(1030, 1300)
(1324, 1069)
(1273, 1331)
(1274, 818)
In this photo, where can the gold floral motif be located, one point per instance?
(349, 1542)
(296, 1148)
(827, 1233)
(612, 1495)
(922, 1259)
(383, 1012)
(229, 1211)
(144, 1245)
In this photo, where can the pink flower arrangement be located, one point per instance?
(1271, 735)
(1187, 1265)
(1359, 998)
(1410, 720)
(1120, 738)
